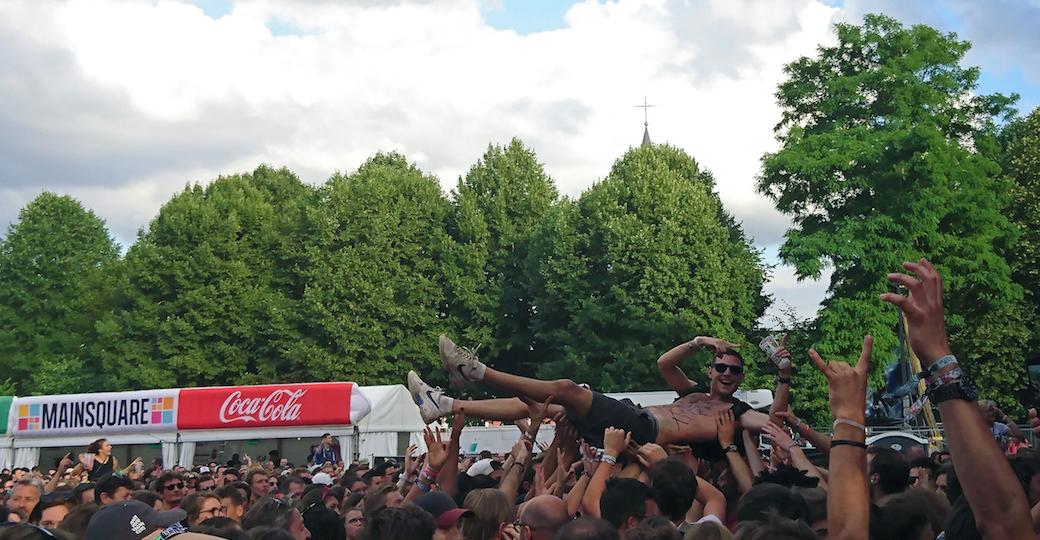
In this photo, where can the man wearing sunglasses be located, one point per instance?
(172, 489)
(690, 419)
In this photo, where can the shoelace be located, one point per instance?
(468, 354)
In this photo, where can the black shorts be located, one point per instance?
(608, 412)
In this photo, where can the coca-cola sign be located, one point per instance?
(280, 405)
(303, 404)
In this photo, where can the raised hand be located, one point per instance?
(780, 436)
(458, 422)
(727, 428)
(436, 449)
(409, 460)
(783, 359)
(789, 418)
(719, 345)
(538, 410)
(652, 453)
(521, 450)
(848, 385)
(923, 308)
(615, 440)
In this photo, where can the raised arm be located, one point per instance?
(668, 363)
(798, 457)
(782, 395)
(448, 478)
(754, 459)
(614, 441)
(848, 501)
(63, 466)
(727, 427)
(817, 439)
(996, 498)
(713, 501)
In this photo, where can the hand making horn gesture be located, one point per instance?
(848, 385)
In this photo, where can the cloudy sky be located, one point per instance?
(120, 104)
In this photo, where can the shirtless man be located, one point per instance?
(690, 419)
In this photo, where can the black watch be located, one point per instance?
(963, 388)
(732, 448)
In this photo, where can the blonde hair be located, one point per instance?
(709, 530)
(491, 508)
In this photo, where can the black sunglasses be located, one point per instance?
(172, 487)
(721, 368)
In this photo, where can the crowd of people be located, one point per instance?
(695, 469)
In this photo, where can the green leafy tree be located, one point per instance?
(887, 155)
(212, 290)
(1021, 163)
(57, 268)
(641, 262)
(497, 208)
(375, 300)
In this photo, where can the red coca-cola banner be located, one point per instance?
(274, 405)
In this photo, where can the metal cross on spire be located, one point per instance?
(645, 106)
(646, 124)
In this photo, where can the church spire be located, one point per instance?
(646, 125)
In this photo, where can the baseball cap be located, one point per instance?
(130, 520)
(322, 478)
(203, 469)
(442, 507)
(481, 467)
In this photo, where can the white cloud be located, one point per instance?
(122, 103)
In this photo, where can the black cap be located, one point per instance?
(130, 520)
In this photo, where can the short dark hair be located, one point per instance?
(323, 523)
(925, 463)
(109, 484)
(408, 522)
(232, 492)
(268, 512)
(232, 471)
(588, 528)
(146, 496)
(166, 477)
(892, 469)
(674, 488)
(730, 352)
(623, 498)
(763, 501)
(774, 528)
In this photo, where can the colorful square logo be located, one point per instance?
(29, 417)
(162, 409)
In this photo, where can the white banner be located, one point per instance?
(101, 413)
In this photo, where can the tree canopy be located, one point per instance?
(888, 154)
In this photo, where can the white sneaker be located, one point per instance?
(432, 402)
(461, 363)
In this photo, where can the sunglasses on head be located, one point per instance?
(721, 368)
(172, 487)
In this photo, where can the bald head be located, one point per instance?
(544, 514)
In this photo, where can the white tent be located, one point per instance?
(394, 415)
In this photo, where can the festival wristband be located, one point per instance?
(946, 378)
(607, 458)
(941, 363)
(848, 422)
(847, 442)
(423, 487)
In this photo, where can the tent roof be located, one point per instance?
(392, 410)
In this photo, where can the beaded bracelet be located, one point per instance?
(847, 442)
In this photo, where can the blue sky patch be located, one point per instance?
(215, 9)
(527, 16)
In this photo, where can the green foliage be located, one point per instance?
(640, 262)
(375, 299)
(1021, 162)
(498, 207)
(57, 268)
(212, 291)
(888, 155)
